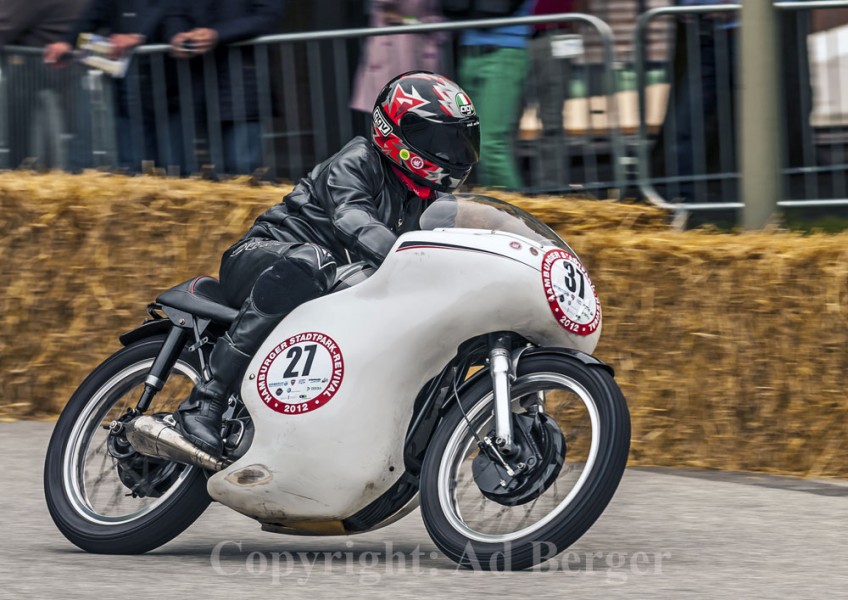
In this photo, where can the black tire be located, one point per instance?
(575, 518)
(180, 505)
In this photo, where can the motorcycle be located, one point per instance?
(457, 377)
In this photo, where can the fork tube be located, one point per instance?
(165, 360)
(500, 368)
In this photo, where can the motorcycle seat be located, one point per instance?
(201, 296)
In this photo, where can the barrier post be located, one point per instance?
(760, 137)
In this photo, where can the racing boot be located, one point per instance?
(199, 417)
(305, 273)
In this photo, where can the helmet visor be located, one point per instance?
(454, 144)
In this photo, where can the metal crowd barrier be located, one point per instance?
(282, 102)
(59, 116)
(690, 162)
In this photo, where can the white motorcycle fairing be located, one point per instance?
(322, 452)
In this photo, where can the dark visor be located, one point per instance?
(456, 143)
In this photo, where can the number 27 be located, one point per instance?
(294, 354)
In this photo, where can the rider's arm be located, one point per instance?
(354, 185)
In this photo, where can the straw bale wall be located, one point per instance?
(732, 349)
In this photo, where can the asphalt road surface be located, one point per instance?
(666, 534)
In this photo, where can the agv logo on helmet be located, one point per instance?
(380, 123)
(465, 107)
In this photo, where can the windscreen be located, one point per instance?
(467, 211)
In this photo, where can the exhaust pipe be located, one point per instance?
(153, 436)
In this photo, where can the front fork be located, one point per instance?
(503, 364)
(500, 367)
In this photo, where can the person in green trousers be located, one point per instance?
(492, 68)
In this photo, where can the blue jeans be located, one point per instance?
(242, 146)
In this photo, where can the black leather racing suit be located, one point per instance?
(351, 207)
(352, 204)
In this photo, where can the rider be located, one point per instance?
(425, 139)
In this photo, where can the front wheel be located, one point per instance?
(575, 418)
(103, 496)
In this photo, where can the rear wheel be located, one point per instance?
(515, 522)
(102, 495)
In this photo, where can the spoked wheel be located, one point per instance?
(573, 435)
(102, 495)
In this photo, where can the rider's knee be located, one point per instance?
(317, 262)
(305, 273)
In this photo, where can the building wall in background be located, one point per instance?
(828, 19)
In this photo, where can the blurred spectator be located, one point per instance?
(207, 27)
(390, 55)
(698, 136)
(492, 69)
(35, 23)
(694, 124)
(550, 70)
(127, 24)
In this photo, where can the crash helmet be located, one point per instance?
(426, 125)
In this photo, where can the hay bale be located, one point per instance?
(84, 256)
(731, 349)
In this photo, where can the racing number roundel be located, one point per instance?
(570, 293)
(301, 374)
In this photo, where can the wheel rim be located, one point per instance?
(478, 518)
(89, 472)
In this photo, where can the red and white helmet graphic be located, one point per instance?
(426, 125)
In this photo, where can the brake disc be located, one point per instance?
(539, 446)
